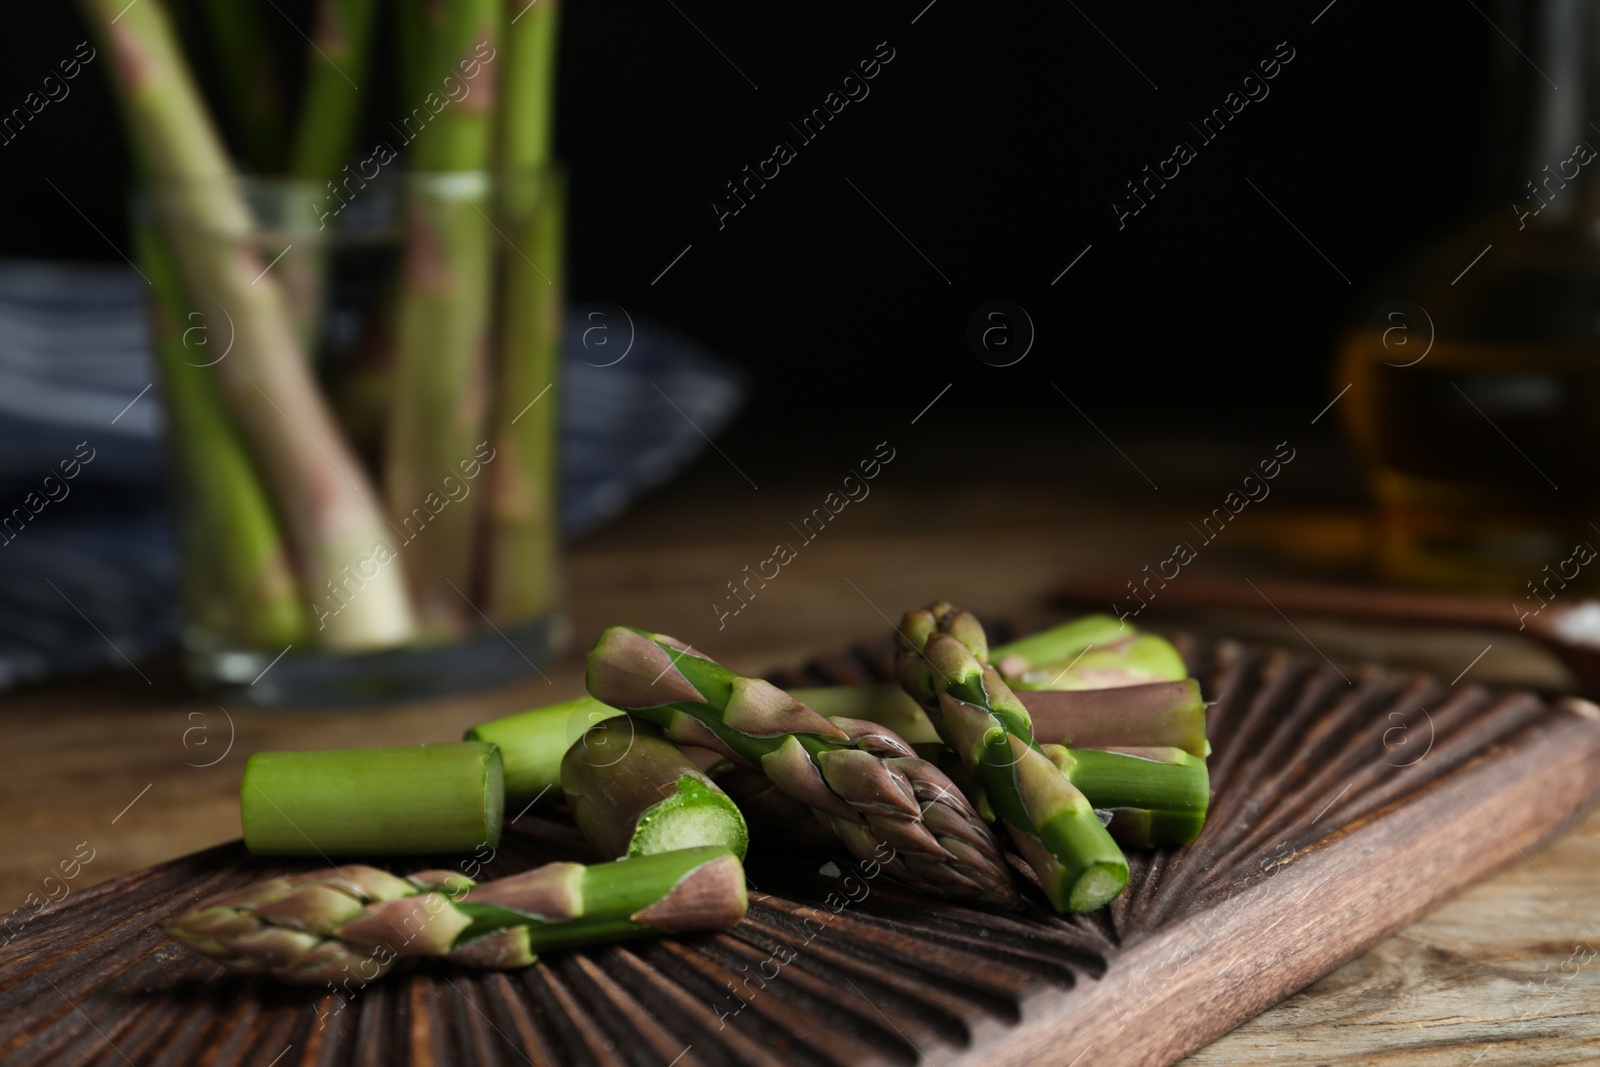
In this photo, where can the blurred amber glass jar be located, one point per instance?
(1475, 379)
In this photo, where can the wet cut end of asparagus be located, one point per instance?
(378, 801)
(634, 793)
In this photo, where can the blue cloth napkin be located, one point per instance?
(89, 565)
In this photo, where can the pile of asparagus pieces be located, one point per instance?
(306, 480)
(1075, 742)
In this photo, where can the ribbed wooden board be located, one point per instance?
(1326, 835)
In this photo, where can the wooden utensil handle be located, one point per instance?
(1292, 598)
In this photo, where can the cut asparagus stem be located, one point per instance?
(441, 384)
(1053, 825)
(532, 744)
(1158, 796)
(634, 793)
(1058, 643)
(350, 925)
(1157, 714)
(1132, 659)
(523, 527)
(253, 96)
(328, 508)
(239, 581)
(379, 801)
(885, 804)
(1154, 715)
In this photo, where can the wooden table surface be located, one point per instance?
(132, 771)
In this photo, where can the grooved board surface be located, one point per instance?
(1323, 839)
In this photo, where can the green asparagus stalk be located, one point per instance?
(1094, 652)
(331, 106)
(1153, 715)
(633, 793)
(330, 512)
(1059, 642)
(341, 38)
(355, 923)
(523, 507)
(439, 403)
(1156, 796)
(1052, 823)
(883, 802)
(373, 802)
(239, 581)
(253, 92)
(532, 744)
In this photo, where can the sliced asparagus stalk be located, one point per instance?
(1058, 643)
(441, 380)
(523, 524)
(532, 744)
(371, 802)
(634, 793)
(330, 512)
(1157, 796)
(354, 923)
(884, 803)
(1154, 715)
(239, 581)
(1052, 823)
(1094, 652)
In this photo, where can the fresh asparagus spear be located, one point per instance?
(877, 796)
(1053, 825)
(373, 801)
(329, 510)
(634, 793)
(330, 107)
(523, 527)
(1094, 652)
(239, 580)
(1156, 796)
(440, 393)
(355, 923)
(1153, 715)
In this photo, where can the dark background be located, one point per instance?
(995, 140)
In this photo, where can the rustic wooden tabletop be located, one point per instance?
(125, 769)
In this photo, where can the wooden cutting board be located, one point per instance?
(1343, 810)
